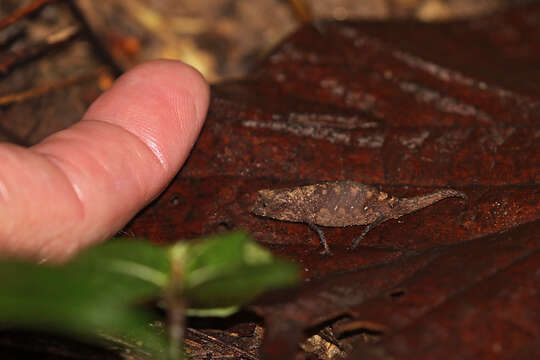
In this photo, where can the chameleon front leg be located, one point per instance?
(367, 229)
(319, 232)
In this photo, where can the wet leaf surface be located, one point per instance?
(409, 108)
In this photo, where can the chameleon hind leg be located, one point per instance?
(319, 232)
(367, 229)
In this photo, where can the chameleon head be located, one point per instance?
(276, 204)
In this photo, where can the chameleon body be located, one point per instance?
(340, 204)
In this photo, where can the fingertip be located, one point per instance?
(162, 102)
(101, 171)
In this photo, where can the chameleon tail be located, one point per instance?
(408, 205)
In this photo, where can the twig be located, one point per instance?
(101, 50)
(13, 58)
(176, 307)
(215, 340)
(301, 10)
(25, 11)
(303, 13)
(32, 93)
(98, 46)
(10, 35)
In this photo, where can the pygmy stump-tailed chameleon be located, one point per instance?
(340, 204)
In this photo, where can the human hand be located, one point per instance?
(81, 185)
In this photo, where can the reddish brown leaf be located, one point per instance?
(287, 315)
(409, 108)
(494, 318)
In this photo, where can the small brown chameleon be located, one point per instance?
(339, 204)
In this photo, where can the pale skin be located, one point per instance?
(81, 185)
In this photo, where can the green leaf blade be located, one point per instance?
(231, 270)
(89, 295)
(242, 285)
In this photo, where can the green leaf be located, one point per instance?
(231, 270)
(245, 283)
(207, 258)
(96, 292)
(95, 296)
